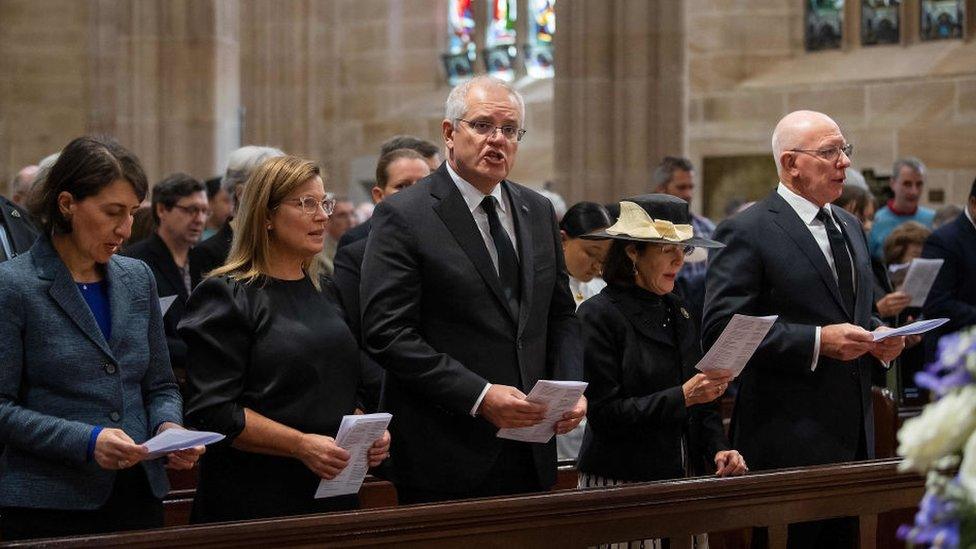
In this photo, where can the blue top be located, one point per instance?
(886, 220)
(96, 296)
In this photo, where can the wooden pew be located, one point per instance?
(575, 518)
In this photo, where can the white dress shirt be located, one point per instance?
(808, 215)
(5, 244)
(473, 197)
(969, 215)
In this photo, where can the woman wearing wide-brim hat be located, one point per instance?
(652, 416)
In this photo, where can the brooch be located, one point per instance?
(684, 313)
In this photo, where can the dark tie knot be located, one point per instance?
(488, 204)
(824, 217)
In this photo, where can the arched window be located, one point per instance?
(500, 36)
(538, 47)
(880, 22)
(942, 19)
(824, 24)
(462, 52)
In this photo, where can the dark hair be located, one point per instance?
(85, 167)
(901, 237)
(422, 146)
(852, 194)
(170, 190)
(972, 190)
(213, 187)
(664, 172)
(382, 176)
(618, 269)
(585, 217)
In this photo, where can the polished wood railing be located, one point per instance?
(577, 518)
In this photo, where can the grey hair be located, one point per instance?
(457, 106)
(43, 169)
(910, 162)
(242, 162)
(664, 172)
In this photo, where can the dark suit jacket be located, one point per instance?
(635, 368)
(169, 282)
(435, 317)
(786, 415)
(20, 230)
(211, 253)
(60, 378)
(355, 234)
(953, 294)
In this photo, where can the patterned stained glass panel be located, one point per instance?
(942, 19)
(824, 24)
(879, 22)
(500, 36)
(538, 47)
(461, 54)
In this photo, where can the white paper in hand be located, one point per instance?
(166, 302)
(914, 328)
(356, 435)
(174, 440)
(559, 397)
(921, 275)
(738, 341)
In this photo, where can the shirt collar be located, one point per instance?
(969, 215)
(804, 208)
(472, 196)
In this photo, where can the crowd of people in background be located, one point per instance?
(260, 306)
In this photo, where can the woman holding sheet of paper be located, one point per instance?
(271, 363)
(85, 377)
(651, 415)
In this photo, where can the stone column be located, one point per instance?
(165, 81)
(620, 94)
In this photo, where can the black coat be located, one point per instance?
(20, 230)
(953, 294)
(211, 253)
(153, 251)
(435, 317)
(638, 351)
(785, 414)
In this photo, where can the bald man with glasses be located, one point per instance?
(805, 395)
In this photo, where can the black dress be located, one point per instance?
(282, 349)
(639, 348)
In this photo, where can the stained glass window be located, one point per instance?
(879, 22)
(824, 24)
(942, 19)
(500, 51)
(459, 60)
(538, 48)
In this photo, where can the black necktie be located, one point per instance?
(508, 268)
(842, 260)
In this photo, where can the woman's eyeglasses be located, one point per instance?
(310, 204)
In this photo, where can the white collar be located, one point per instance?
(804, 208)
(968, 215)
(472, 196)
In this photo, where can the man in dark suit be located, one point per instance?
(17, 233)
(213, 252)
(179, 210)
(953, 294)
(805, 395)
(466, 305)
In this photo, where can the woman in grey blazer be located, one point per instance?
(84, 372)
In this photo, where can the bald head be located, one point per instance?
(799, 130)
(22, 183)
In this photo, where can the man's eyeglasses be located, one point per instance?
(310, 204)
(480, 127)
(194, 210)
(831, 153)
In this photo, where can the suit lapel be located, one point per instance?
(523, 228)
(787, 219)
(14, 222)
(453, 211)
(64, 292)
(120, 298)
(167, 266)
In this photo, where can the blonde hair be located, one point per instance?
(267, 186)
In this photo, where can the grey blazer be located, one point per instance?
(59, 378)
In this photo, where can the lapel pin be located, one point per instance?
(14, 213)
(525, 208)
(684, 313)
